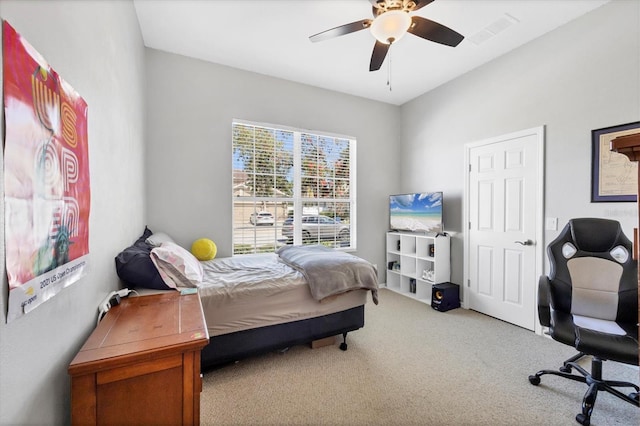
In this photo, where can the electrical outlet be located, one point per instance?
(552, 224)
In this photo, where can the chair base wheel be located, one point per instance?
(534, 380)
(583, 420)
(343, 346)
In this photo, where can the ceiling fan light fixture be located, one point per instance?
(390, 26)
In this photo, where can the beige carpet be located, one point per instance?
(411, 365)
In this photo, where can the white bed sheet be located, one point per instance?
(250, 291)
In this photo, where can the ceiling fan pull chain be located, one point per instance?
(389, 70)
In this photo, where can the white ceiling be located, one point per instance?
(271, 37)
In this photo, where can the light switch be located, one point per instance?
(552, 224)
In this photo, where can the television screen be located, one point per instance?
(418, 212)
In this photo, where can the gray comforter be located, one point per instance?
(331, 272)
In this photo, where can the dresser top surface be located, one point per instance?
(140, 326)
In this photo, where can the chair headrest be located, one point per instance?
(590, 237)
(595, 235)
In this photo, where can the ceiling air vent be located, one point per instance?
(493, 29)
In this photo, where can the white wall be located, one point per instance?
(191, 105)
(96, 47)
(580, 77)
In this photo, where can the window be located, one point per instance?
(291, 187)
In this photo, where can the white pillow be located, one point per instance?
(158, 238)
(177, 267)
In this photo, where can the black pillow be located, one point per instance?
(135, 267)
(142, 240)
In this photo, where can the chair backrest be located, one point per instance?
(592, 271)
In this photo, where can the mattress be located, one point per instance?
(250, 291)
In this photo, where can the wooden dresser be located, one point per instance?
(141, 365)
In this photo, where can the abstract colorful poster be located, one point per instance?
(46, 178)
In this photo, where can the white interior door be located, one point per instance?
(504, 246)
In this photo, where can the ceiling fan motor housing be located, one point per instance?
(383, 6)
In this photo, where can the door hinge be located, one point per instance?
(468, 283)
(469, 225)
(469, 167)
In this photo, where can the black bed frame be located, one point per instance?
(231, 347)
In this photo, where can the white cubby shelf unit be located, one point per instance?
(415, 262)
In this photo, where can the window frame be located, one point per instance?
(297, 199)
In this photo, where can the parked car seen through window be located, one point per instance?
(261, 218)
(317, 228)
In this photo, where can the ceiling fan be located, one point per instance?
(392, 19)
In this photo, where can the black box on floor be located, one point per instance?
(445, 296)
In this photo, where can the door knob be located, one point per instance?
(525, 243)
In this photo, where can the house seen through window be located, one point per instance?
(291, 187)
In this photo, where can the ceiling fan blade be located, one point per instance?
(341, 30)
(377, 57)
(434, 31)
(420, 4)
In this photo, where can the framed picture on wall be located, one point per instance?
(613, 176)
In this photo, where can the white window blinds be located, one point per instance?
(291, 187)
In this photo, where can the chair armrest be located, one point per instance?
(544, 296)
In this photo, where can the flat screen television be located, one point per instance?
(417, 212)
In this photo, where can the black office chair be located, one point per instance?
(590, 301)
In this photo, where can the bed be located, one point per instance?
(264, 302)
(256, 303)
